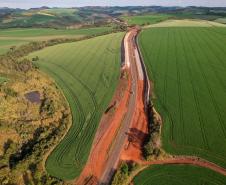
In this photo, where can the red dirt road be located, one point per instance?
(132, 150)
(189, 160)
(109, 125)
(121, 134)
(118, 144)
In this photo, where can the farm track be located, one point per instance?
(188, 160)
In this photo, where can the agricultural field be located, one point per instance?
(145, 19)
(87, 72)
(221, 20)
(17, 37)
(178, 174)
(187, 66)
(187, 23)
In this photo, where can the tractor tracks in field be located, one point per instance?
(184, 160)
(118, 142)
(177, 160)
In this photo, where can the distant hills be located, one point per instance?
(95, 15)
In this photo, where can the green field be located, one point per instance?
(221, 20)
(87, 72)
(178, 175)
(17, 37)
(2, 79)
(145, 19)
(188, 68)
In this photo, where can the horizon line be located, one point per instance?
(114, 6)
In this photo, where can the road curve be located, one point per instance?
(195, 161)
(113, 159)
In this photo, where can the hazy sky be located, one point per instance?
(76, 3)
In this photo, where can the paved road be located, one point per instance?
(121, 137)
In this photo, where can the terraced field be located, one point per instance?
(145, 19)
(188, 68)
(16, 37)
(179, 175)
(87, 72)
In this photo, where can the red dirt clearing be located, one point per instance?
(138, 131)
(109, 125)
(139, 128)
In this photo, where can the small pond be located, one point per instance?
(33, 97)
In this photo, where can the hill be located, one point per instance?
(87, 72)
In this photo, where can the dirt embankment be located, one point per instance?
(139, 130)
(109, 126)
(139, 127)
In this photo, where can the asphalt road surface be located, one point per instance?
(121, 137)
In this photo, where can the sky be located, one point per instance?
(77, 3)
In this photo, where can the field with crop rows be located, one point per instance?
(87, 72)
(145, 19)
(188, 68)
(178, 175)
(16, 37)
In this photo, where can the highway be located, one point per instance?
(114, 155)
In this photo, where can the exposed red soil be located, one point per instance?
(132, 151)
(139, 128)
(138, 131)
(109, 125)
(188, 160)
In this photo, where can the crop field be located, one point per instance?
(221, 20)
(187, 66)
(178, 175)
(17, 37)
(87, 72)
(145, 19)
(187, 23)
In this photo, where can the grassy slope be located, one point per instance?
(145, 19)
(16, 37)
(188, 68)
(6, 44)
(87, 71)
(178, 175)
(35, 32)
(2, 79)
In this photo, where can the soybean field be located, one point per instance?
(178, 174)
(87, 72)
(145, 19)
(187, 66)
(20, 36)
